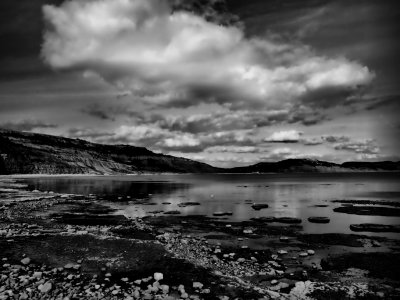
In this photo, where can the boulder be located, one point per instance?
(321, 220)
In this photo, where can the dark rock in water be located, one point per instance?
(369, 210)
(287, 220)
(222, 213)
(263, 219)
(259, 206)
(369, 202)
(368, 227)
(321, 220)
(184, 204)
(156, 212)
(172, 212)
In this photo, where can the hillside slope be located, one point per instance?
(30, 153)
(316, 166)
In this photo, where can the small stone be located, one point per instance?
(282, 252)
(165, 289)
(274, 281)
(197, 285)
(303, 254)
(26, 261)
(45, 288)
(310, 252)
(68, 266)
(37, 275)
(158, 276)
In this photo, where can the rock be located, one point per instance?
(197, 285)
(259, 206)
(310, 252)
(222, 213)
(274, 281)
(369, 227)
(321, 220)
(68, 266)
(184, 204)
(368, 210)
(287, 220)
(45, 288)
(282, 252)
(375, 243)
(37, 275)
(303, 254)
(158, 276)
(165, 289)
(26, 261)
(172, 212)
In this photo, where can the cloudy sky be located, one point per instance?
(227, 82)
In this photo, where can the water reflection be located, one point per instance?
(294, 195)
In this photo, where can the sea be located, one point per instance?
(287, 195)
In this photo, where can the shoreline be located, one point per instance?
(196, 256)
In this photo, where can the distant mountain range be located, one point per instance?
(32, 153)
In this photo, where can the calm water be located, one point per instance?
(288, 195)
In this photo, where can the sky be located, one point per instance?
(226, 82)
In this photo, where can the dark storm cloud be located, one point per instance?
(96, 110)
(27, 125)
(391, 100)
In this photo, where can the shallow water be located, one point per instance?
(288, 195)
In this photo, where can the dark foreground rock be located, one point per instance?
(368, 210)
(369, 202)
(368, 227)
(322, 220)
(379, 265)
(259, 206)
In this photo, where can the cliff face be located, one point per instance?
(28, 153)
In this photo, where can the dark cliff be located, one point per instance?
(30, 153)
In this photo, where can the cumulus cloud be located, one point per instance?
(234, 149)
(288, 136)
(160, 139)
(171, 57)
(335, 139)
(366, 147)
